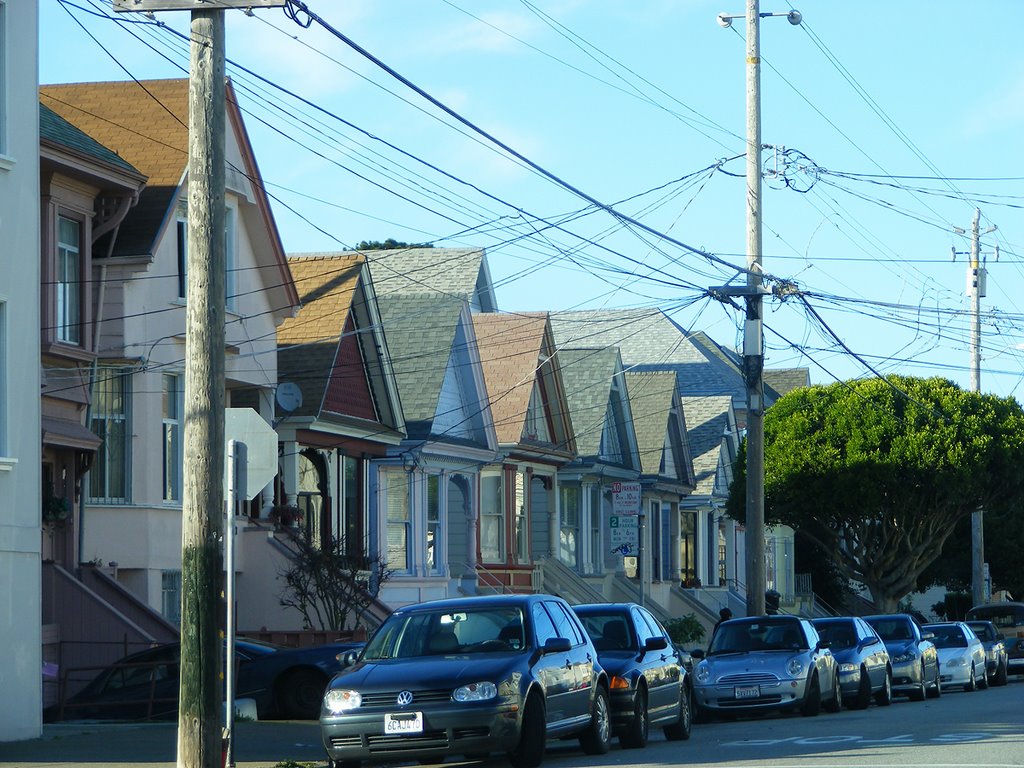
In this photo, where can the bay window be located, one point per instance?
(110, 421)
(396, 499)
(173, 397)
(492, 518)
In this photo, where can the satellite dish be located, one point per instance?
(289, 396)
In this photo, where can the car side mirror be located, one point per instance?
(927, 635)
(347, 658)
(655, 643)
(556, 645)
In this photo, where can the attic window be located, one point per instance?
(536, 427)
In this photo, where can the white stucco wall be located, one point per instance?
(20, 437)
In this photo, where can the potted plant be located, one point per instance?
(285, 514)
(55, 510)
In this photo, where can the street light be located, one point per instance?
(753, 344)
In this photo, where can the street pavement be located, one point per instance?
(154, 745)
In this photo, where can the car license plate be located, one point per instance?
(747, 691)
(406, 722)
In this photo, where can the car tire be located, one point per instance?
(972, 681)
(1001, 674)
(883, 698)
(300, 694)
(863, 698)
(835, 699)
(533, 736)
(919, 693)
(935, 691)
(680, 729)
(812, 698)
(597, 738)
(636, 733)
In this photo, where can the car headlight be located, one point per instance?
(703, 674)
(957, 661)
(847, 667)
(476, 692)
(904, 657)
(795, 667)
(341, 701)
(990, 654)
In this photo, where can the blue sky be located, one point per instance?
(894, 121)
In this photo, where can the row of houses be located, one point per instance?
(469, 449)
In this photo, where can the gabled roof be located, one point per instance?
(146, 124)
(648, 339)
(652, 396)
(453, 272)
(709, 422)
(785, 380)
(517, 352)
(420, 331)
(334, 349)
(588, 376)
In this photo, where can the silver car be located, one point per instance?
(915, 662)
(863, 662)
(961, 655)
(761, 663)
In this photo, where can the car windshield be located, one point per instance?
(983, 630)
(893, 629)
(609, 631)
(760, 635)
(448, 632)
(839, 634)
(948, 637)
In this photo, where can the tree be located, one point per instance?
(389, 245)
(329, 587)
(879, 472)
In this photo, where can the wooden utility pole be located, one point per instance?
(199, 710)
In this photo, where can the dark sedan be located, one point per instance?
(647, 680)
(914, 659)
(863, 662)
(996, 658)
(469, 676)
(284, 682)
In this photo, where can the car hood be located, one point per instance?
(427, 672)
(773, 662)
(845, 656)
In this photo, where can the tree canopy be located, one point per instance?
(389, 245)
(879, 472)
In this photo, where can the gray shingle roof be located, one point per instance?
(784, 380)
(420, 331)
(650, 399)
(587, 375)
(707, 421)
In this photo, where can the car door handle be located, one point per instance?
(568, 663)
(589, 657)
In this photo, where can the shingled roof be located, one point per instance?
(514, 348)
(453, 272)
(651, 397)
(55, 129)
(588, 374)
(707, 424)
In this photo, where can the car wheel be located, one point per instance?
(863, 691)
(529, 752)
(1000, 674)
(983, 680)
(972, 681)
(680, 729)
(936, 690)
(921, 691)
(812, 699)
(835, 699)
(300, 694)
(884, 697)
(635, 735)
(597, 739)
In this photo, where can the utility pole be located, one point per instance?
(753, 335)
(976, 279)
(199, 706)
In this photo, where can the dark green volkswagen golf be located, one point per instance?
(469, 676)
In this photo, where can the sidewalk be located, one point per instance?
(126, 745)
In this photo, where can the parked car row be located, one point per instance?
(504, 674)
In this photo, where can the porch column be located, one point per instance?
(554, 517)
(289, 462)
(472, 509)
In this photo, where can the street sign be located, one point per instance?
(247, 426)
(141, 6)
(624, 534)
(626, 498)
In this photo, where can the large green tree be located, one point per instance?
(879, 472)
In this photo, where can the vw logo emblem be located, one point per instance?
(404, 698)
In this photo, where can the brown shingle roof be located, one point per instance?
(510, 348)
(325, 285)
(144, 123)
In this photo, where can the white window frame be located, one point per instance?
(493, 516)
(230, 253)
(170, 596)
(173, 389)
(393, 482)
(434, 524)
(68, 283)
(521, 516)
(103, 375)
(569, 527)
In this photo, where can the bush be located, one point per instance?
(686, 629)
